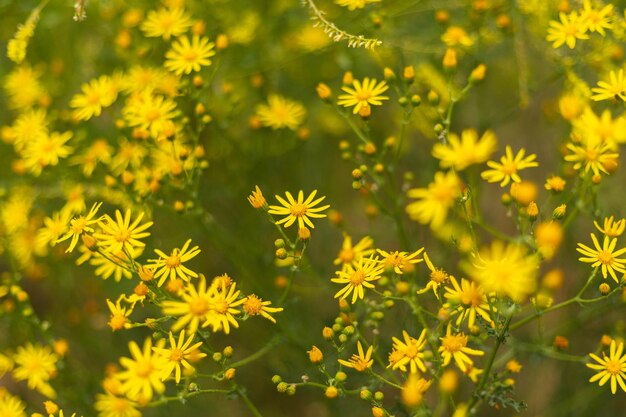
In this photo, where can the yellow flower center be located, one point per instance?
(592, 155)
(173, 261)
(298, 210)
(613, 367)
(78, 225)
(454, 342)
(253, 305)
(605, 257)
(357, 277)
(438, 276)
(176, 355)
(143, 368)
(359, 364)
(346, 255)
(471, 296)
(363, 95)
(509, 168)
(221, 307)
(122, 235)
(198, 306)
(152, 115)
(190, 56)
(117, 322)
(411, 351)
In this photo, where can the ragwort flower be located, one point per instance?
(363, 94)
(299, 210)
(172, 265)
(358, 276)
(359, 362)
(280, 112)
(604, 256)
(507, 169)
(612, 367)
(185, 56)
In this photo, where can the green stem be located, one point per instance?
(258, 354)
(244, 397)
(472, 407)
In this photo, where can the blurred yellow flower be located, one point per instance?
(96, 95)
(567, 31)
(36, 364)
(613, 89)
(280, 112)
(468, 150)
(434, 202)
(165, 23)
(140, 378)
(185, 56)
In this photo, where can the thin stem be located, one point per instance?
(492, 356)
(242, 393)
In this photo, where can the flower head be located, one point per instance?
(172, 265)
(611, 228)
(363, 94)
(120, 234)
(359, 362)
(604, 256)
(355, 4)
(593, 157)
(357, 277)
(351, 253)
(597, 20)
(97, 94)
(612, 367)
(399, 261)
(468, 300)
(254, 306)
(506, 270)
(140, 378)
(614, 89)
(454, 346)
(571, 28)
(508, 167)
(223, 303)
(280, 112)
(437, 277)
(166, 23)
(256, 199)
(408, 351)
(434, 202)
(177, 354)
(186, 56)
(468, 150)
(36, 364)
(80, 225)
(301, 210)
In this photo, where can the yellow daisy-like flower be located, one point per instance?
(151, 113)
(592, 156)
(120, 235)
(604, 256)
(301, 210)
(400, 261)
(359, 362)
(351, 253)
(509, 166)
(256, 199)
(254, 306)
(185, 56)
(172, 265)
(592, 128)
(36, 364)
(96, 95)
(437, 278)
(280, 112)
(119, 315)
(454, 346)
(193, 309)
(355, 4)
(466, 151)
(177, 355)
(140, 380)
(467, 300)
(166, 23)
(109, 405)
(611, 228)
(222, 307)
(567, 31)
(408, 352)
(363, 94)
(597, 20)
(46, 150)
(52, 229)
(434, 202)
(456, 36)
(611, 368)
(80, 225)
(11, 406)
(358, 276)
(614, 89)
(506, 270)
